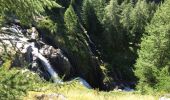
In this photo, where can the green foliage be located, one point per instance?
(106, 70)
(111, 13)
(109, 29)
(91, 16)
(120, 25)
(99, 6)
(25, 10)
(71, 20)
(1, 20)
(74, 37)
(77, 43)
(139, 17)
(76, 40)
(164, 80)
(15, 83)
(86, 12)
(6, 65)
(47, 23)
(152, 67)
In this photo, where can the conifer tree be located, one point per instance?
(152, 67)
(90, 19)
(111, 23)
(139, 17)
(79, 48)
(71, 20)
(87, 13)
(99, 6)
(111, 13)
(75, 37)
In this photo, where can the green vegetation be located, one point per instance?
(25, 85)
(152, 67)
(84, 94)
(25, 10)
(15, 83)
(106, 41)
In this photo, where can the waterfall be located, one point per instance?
(12, 37)
(83, 82)
(20, 42)
(53, 74)
(47, 65)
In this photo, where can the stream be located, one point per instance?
(12, 38)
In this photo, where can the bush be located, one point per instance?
(15, 83)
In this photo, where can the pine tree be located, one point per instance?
(111, 22)
(76, 40)
(99, 6)
(87, 13)
(111, 13)
(152, 67)
(79, 48)
(134, 18)
(90, 19)
(127, 9)
(71, 20)
(139, 18)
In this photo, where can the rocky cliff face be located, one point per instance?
(57, 59)
(26, 51)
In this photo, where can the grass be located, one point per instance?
(77, 92)
(20, 84)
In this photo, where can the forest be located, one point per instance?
(108, 45)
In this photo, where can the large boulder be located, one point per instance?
(57, 59)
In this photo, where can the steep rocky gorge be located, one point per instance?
(44, 59)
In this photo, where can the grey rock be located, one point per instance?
(57, 59)
(52, 96)
(165, 97)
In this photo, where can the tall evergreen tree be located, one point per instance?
(111, 13)
(74, 34)
(79, 48)
(99, 6)
(88, 14)
(152, 67)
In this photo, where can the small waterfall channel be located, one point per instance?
(13, 37)
(48, 67)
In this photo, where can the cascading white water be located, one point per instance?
(53, 74)
(47, 65)
(83, 82)
(21, 43)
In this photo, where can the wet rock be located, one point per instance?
(128, 89)
(57, 59)
(41, 58)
